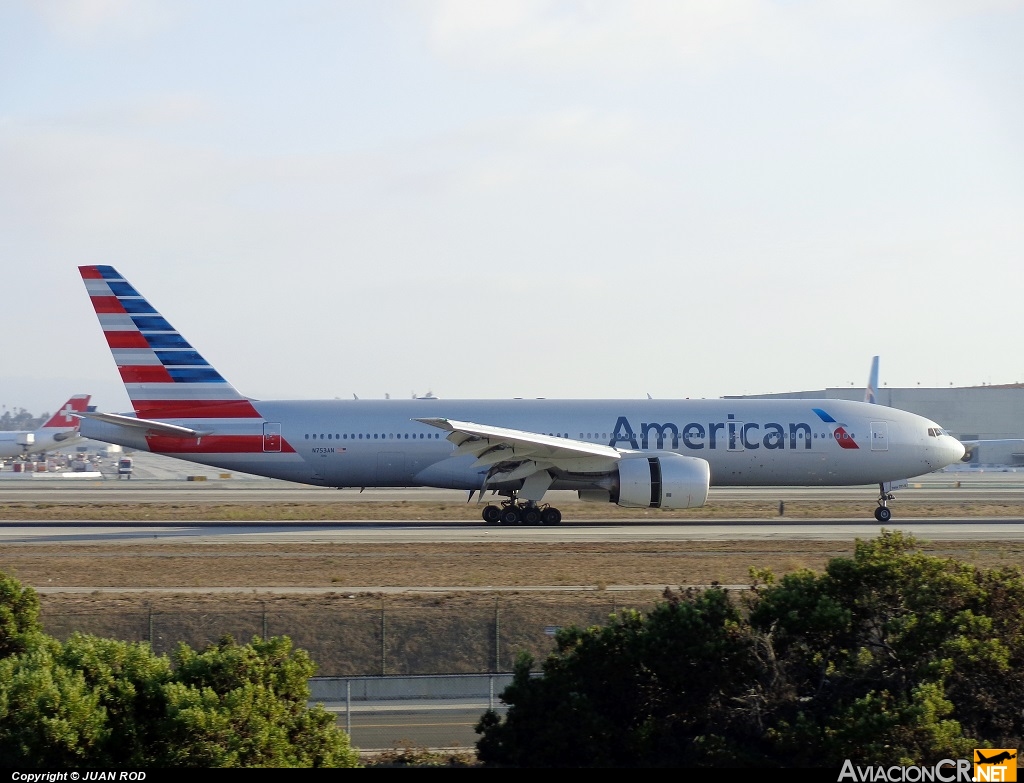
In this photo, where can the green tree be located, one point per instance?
(890, 656)
(129, 683)
(645, 689)
(49, 716)
(21, 419)
(19, 617)
(921, 650)
(93, 702)
(246, 705)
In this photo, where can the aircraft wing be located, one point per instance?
(972, 446)
(151, 427)
(512, 454)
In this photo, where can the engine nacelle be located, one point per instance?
(662, 481)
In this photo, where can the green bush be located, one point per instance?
(888, 657)
(93, 702)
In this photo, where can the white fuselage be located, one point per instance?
(357, 443)
(16, 444)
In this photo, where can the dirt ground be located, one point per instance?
(338, 567)
(355, 570)
(470, 565)
(399, 510)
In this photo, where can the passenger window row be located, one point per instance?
(374, 436)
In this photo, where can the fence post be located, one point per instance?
(383, 637)
(497, 639)
(348, 707)
(151, 627)
(264, 604)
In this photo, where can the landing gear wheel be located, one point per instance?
(551, 516)
(530, 515)
(491, 514)
(509, 516)
(882, 513)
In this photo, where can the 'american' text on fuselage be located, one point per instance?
(738, 435)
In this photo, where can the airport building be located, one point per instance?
(970, 413)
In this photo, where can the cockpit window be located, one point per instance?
(936, 432)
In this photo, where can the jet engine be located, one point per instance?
(662, 481)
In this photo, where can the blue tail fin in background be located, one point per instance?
(871, 392)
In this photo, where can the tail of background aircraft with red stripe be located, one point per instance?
(63, 418)
(60, 430)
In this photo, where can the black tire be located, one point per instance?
(509, 516)
(551, 516)
(491, 514)
(530, 516)
(883, 514)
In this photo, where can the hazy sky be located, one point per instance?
(501, 199)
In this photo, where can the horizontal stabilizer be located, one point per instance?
(150, 426)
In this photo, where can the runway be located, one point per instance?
(377, 532)
(976, 487)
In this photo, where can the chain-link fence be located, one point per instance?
(437, 711)
(359, 641)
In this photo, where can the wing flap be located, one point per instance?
(500, 445)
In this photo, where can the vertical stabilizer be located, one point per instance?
(871, 392)
(63, 419)
(165, 377)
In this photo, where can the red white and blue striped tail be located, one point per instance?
(164, 375)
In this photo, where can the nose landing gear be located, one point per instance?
(882, 513)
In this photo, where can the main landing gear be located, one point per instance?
(511, 512)
(882, 513)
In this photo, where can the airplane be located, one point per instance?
(871, 390)
(634, 453)
(996, 759)
(974, 448)
(61, 430)
(971, 447)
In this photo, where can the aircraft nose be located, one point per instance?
(956, 450)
